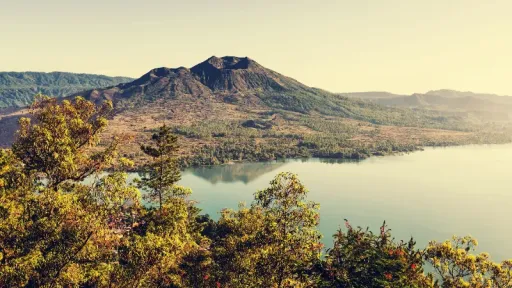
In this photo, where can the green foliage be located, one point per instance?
(290, 229)
(218, 129)
(234, 142)
(456, 267)
(162, 174)
(331, 137)
(49, 227)
(244, 151)
(55, 144)
(360, 258)
(273, 243)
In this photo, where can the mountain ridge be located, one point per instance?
(17, 89)
(490, 106)
(229, 79)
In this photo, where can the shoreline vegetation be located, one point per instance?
(227, 154)
(234, 141)
(57, 231)
(184, 162)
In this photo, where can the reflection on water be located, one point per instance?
(243, 172)
(248, 172)
(339, 161)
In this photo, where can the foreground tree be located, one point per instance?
(163, 173)
(455, 266)
(152, 254)
(54, 146)
(290, 229)
(54, 229)
(274, 243)
(360, 258)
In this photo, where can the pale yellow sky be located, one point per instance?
(401, 46)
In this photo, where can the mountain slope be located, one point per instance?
(229, 79)
(17, 89)
(245, 83)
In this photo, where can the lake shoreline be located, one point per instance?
(334, 159)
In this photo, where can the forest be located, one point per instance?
(59, 230)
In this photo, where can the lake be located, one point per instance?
(429, 195)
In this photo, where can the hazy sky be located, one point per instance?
(401, 46)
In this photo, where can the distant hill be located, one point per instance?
(17, 89)
(484, 96)
(371, 95)
(487, 106)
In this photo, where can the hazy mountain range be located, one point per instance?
(489, 106)
(17, 89)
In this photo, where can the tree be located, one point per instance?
(360, 258)
(290, 228)
(161, 175)
(55, 145)
(237, 248)
(455, 266)
(55, 229)
(273, 243)
(156, 251)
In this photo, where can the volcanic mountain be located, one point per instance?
(233, 80)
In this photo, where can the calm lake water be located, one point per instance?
(429, 195)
